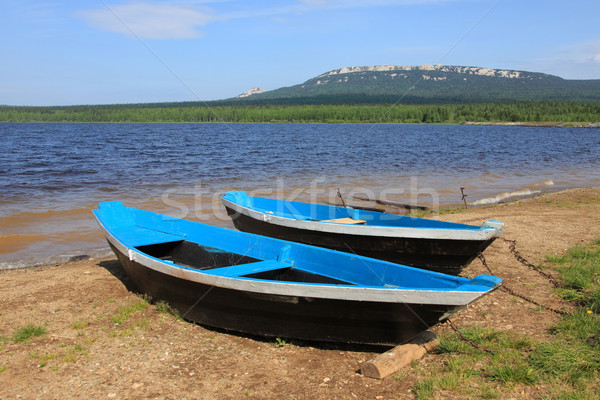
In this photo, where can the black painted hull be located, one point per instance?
(305, 318)
(441, 255)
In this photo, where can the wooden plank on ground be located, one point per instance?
(400, 356)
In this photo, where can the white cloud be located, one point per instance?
(574, 61)
(337, 4)
(150, 20)
(307, 6)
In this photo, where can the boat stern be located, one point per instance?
(495, 226)
(237, 197)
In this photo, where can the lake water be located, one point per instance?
(53, 175)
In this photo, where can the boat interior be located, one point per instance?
(337, 214)
(228, 264)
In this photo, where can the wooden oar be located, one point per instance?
(358, 207)
(390, 203)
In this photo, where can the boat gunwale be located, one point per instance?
(477, 234)
(294, 289)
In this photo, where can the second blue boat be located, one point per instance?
(424, 243)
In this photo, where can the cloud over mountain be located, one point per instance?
(150, 20)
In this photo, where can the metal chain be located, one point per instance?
(484, 262)
(513, 249)
(466, 339)
(512, 292)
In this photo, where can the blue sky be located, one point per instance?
(58, 52)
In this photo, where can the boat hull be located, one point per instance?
(448, 256)
(269, 287)
(274, 315)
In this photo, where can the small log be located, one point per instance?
(400, 356)
(390, 203)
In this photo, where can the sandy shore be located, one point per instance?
(151, 354)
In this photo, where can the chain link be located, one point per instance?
(521, 296)
(513, 249)
(522, 260)
(466, 339)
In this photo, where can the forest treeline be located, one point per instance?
(534, 112)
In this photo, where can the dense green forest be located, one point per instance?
(529, 112)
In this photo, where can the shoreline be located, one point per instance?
(554, 124)
(101, 253)
(102, 340)
(539, 124)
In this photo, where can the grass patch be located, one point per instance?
(125, 312)
(279, 342)
(565, 366)
(513, 373)
(43, 360)
(28, 332)
(425, 389)
(74, 352)
(579, 272)
(77, 325)
(487, 392)
(165, 308)
(573, 363)
(3, 368)
(142, 324)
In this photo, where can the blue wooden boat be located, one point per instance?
(269, 287)
(436, 245)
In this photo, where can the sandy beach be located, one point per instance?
(94, 348)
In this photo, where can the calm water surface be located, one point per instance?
(53, 175)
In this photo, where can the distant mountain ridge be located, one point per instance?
(436, 84)
(500, 73)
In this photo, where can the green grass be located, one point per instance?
(28, 332)
(565, 366)
(165, 308)
(3, 341)
(512, 372)
(43, 360)
(125, 312)
(279, 342)
(425, 389)
(77, 325)
(579, 272)
(74, 352)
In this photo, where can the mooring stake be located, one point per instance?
(339, 194)
(464, 196)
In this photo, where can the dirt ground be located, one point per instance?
(85, 354)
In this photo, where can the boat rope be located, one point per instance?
(514, 293)
(513, 249)
(466, 339)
